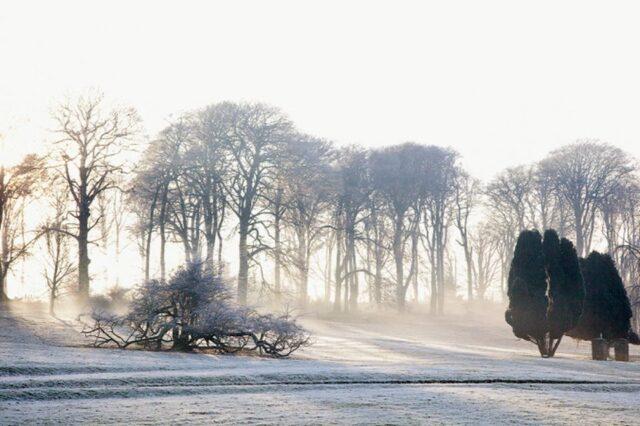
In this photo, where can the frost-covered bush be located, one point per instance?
(115, 301)
(194, 309)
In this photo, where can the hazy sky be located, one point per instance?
(503, 82)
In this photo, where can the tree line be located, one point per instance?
(385, 226)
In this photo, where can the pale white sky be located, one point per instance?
(503, 82)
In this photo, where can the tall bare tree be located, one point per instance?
(377, 237)
(58, 267)
(92, 139)
(17, 183)
(308, 189)
(206, 169)
(397, 174)
(255, 139)
(467, 190)
(352, 191)
(585, 173)
(160, 166)
(441, 170)
(508, 202)
(485, 260)
(508, 195)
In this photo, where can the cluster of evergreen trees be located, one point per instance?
(552, 293)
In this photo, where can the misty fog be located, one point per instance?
(276, 213)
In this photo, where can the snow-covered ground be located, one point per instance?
(377, 369)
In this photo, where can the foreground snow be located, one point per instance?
(368, 370)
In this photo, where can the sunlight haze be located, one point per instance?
(296, 212)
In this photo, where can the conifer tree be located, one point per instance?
(607, 311)
(545, 289)
(574, 283)
(527, 290)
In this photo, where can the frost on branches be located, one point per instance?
(193, 310)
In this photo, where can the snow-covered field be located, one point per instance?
(373, 369)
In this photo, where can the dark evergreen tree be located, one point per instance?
(528, 290)
(545, 289)
(574, 284)
(566, 288)
(556, 312)
(607, 311)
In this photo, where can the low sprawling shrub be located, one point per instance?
(193, 310)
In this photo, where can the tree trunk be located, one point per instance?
(553, 347)
(117, 252)
(277, 272)
(414, 261)
(304, 286)
(4, 260)
(303, 268)
(434, 284)
(83, 249)
(219, 250)
(338, 271)
(52, 299)
(599, 349)
(147, 259)
(621, 349)
(377, 284)
(347, 283)
(469, 262)
(398, 256)
(3, 283)
(243, 255)
(579, 232)
(211, 245)
(211, 248)
(368, 263)
(440, 270)
(327, 272)
(354, 290)
(163, 236)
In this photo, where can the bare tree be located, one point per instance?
(142, 209)
(143, 202)
(277, 207)
(508, 195)
(397, 179)
(91, 141)
(17, 183)
(119, 215)
(185, 217)
(467, 192)
(612, 212)
(308, 190)
(547, 209)
(586, 173)
(377, 237)
(58, 268)
(440, 176)
(254, 141)
(351, 191)
(485, 260)
(508, 200)
(206, 169)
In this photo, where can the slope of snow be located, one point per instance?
(376, 368)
